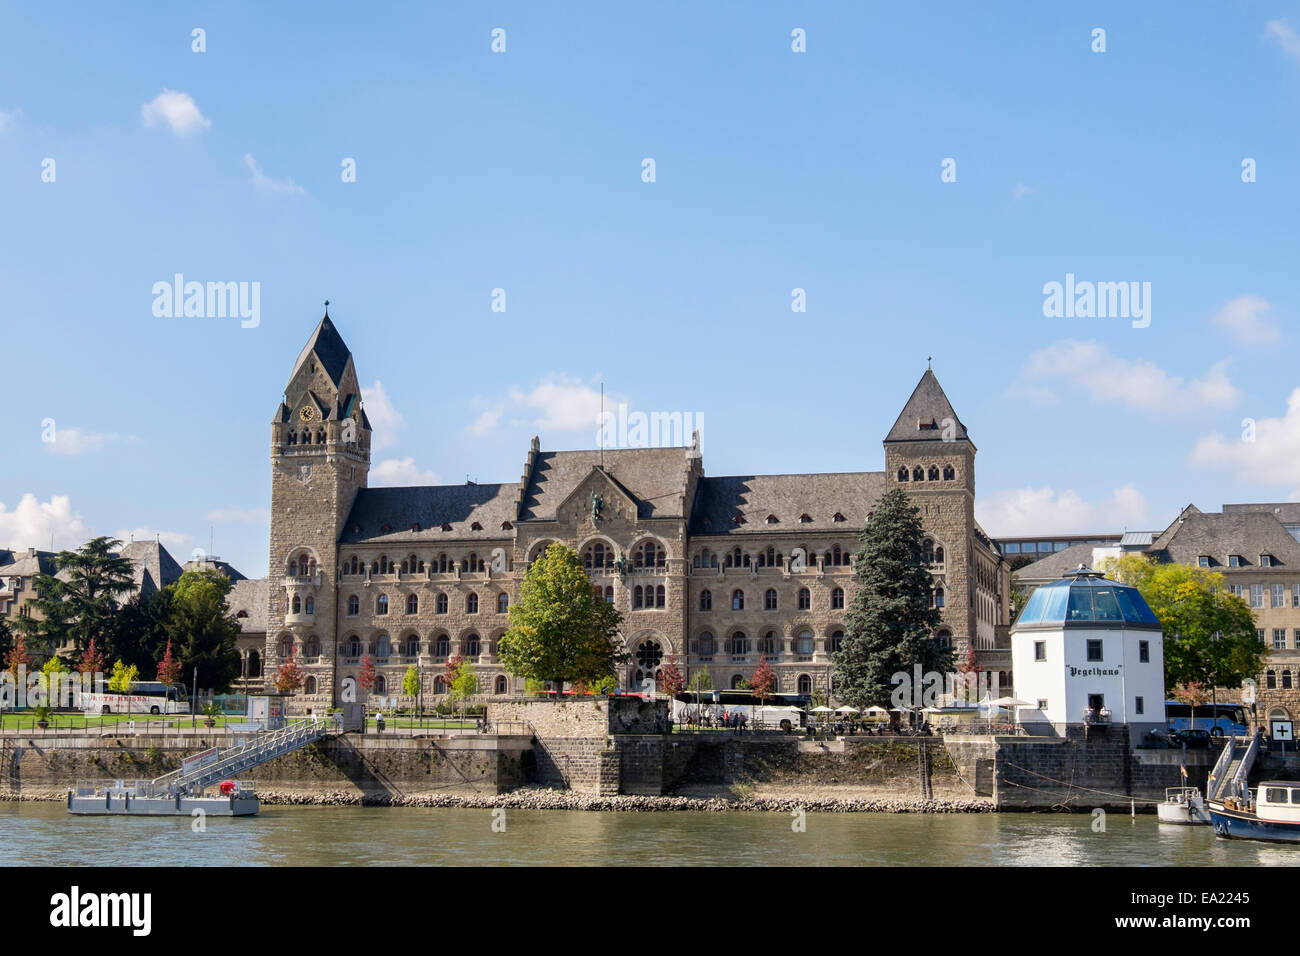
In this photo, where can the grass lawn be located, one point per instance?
(12, 721)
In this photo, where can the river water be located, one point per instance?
(45, 834)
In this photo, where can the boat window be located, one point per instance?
(1295, 796)
(1276, 794)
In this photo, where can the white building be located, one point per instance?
(1089, 650)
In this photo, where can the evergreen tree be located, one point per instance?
(889, 626)
(83, 601)
(141, 630)
(206, 630)
(560, 631)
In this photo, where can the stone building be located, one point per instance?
(711, 571)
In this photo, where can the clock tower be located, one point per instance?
(320, 458)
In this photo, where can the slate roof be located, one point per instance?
(1287, 512)
(215, 564)
(923, 416)
(787, 498)
(1136, 539)
(29, 565)
(1055, 565)
(249, 595)
(6, 557)
(329, 349)
(1245, 533)
(399, 509)
(654, 477)
(155, 568)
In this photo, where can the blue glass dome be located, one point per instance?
(1084, 598)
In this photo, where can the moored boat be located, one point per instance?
(1273, 814)
(1183, 805)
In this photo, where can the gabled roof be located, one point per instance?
(328, 347)
(31, 564)
(155, 568)
(718, 501)
(429, 508)
(249, 596)
(1288, 512)
(1056, 565)
(922, 418)
(1245, 533)
(653, 477)
(6, 557)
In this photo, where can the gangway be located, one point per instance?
(234, 760)
(1231, 773)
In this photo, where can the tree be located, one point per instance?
(92, 659)
(52, 671)
(169, 668)
(123, 676)
(18, 657)
(201, 616)
(411, 682)
(700, 682)
(83, 601)
(366, 676)
(763, 681)
(559, 630)
(451, 670)
(141, 631)
(288, 677)
(671, 679)
(890, 624)
(1210, 637)
(466, 683)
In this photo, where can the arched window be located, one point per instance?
(769, 599)
(354, 605)
(737, 600)
(933, 473)
(313, 647)
(927, 551)
(441, 684)
(938, 597)
(638, 597)
(472, 645)
(501, 686)
(354, 646)
(948, 473)
(944, 637)
(309, 686)
(805, 599)
(649, 655)
(609, 594)
(737, 680)
(1286, 680)
(381, 685)
(837, 641)
(471, 603)
(938, 555)
(598, 557)
(649, 555)
(837, 599)
(771, 643)
(295, 605)
(661, 595)
(705, 646)
(805, 684)
(706, 600)
(918, 474)
(381, 604)
(383, 647)
(803, 643)
(503, 602)
(442, 646)
(286, 646)
(411, 646)
(902, 474)
(412, 604)
(309, 605)
(442, 565)
(442, 603)
(738, 644)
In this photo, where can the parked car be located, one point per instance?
(1193, 739)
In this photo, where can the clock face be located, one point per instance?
(307, 413)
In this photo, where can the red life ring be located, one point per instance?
(227, 787)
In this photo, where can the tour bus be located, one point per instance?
(785, 711)
(1219, 719)
(145, 697)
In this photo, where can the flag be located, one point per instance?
(1183, 770)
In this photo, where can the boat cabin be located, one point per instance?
(1278, 800)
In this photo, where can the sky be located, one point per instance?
(495, 246)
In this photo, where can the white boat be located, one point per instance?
(1183, 806)
(1272, 815)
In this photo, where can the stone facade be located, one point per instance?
(713, 572)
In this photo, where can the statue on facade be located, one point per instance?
(596, 504)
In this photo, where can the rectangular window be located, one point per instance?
(1257, 595)
(1013, 547)
(1295, 595)
(1266, 560)
(1204, 561)
(1260, 633)
(1235, 589)
(1042, 703)
(1295, 638)
(1234, 560)
(1139, 706)
(1094, 649)
(1279, 595)
(1144, 652)
(1040, 650)
(1279, 638)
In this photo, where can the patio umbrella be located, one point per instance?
(846, 709)
(1011, 702)
(875, 709)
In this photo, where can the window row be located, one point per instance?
(412, 564)
(648, 554)
(1266, 595)
(382, 647)
(772, 558)
(922, 474)
(441, 604)
(771, 600)
(772, 642)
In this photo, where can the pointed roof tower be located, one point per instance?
(927, 415)
(329, 349)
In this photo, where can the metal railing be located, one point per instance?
(264, 747)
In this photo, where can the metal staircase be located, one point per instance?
(1231, 773)
(235, 760)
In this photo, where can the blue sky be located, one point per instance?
(522, 171)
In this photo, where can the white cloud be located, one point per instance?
(486, 422)
(73, 441)
(385, 419)
(169, 539)
(1021, 191)
(1272, 458)
(239, 515)
(266, 183)
(30, 524)
(1042, 511)
(177, 110)
(399, 472)
(1285, 36)
(556, 403)
(1244, 318)
(1141, 385)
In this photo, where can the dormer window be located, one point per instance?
(738, 518)
(805, 519)
(1266, 560)
(771, 519)
(476, 527)
(415, 527)
(1203, 560)
(1234, 561)
(839, 517)
(446, 527)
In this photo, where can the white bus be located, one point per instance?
(145, 697)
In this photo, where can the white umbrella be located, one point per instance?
(1011, 702)
(822, 710)
(846, 709)
(876, 709)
